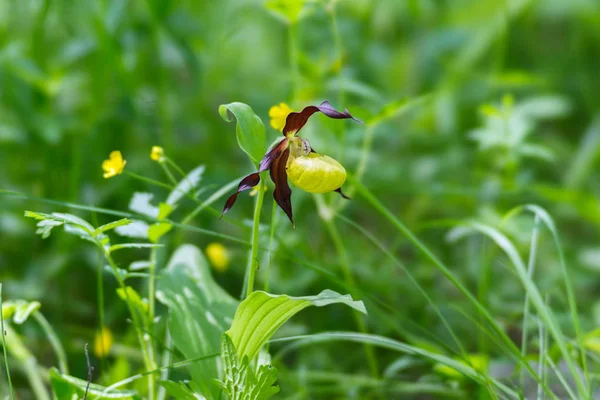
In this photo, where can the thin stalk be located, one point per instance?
(167, 358)
(144, 340)
(253, 260)
(526, 305)
(169, 174)
(349, 279)
(149, 180)
(271, 244)
(152, 284)
(54, 342)
(177, 168)
(541, 363)
(10, 387)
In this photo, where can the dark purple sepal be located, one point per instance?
(296, 120)
(282, 193)
(254, 179)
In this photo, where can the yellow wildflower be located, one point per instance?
(278, 114)
(114, 165)
(103, 342)
(157, 153)
(218, 256)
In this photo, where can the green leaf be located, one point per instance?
(50, 221)
(133, 246)
(250, 130)
(200, 311)
(156, 231)
(185, 186)
(179, 390)
(164, 210)
(112, 225)
(289, 10)
(260, 315)
(69, 387)
(20, 310)
(140, 306)
(239, 381)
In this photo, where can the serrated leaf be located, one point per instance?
(50, 221)
(179, 390)
(69, 387)
(240, 382)
(113, 225)
(200, 311)
(260, 315)
(156, 231)
(116, 247)
(250, 130)
(185, 186)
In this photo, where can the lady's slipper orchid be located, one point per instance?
(294, 158)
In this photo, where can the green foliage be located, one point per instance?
(249, 129)
(261, 314)
(240, 382)
(68, 387)
(19, 310)
(181, 390)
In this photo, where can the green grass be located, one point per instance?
(472, 232)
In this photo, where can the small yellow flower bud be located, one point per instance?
(103, 342)
(157, 153)
(218, 255)
(316, 173)
(114, 165)
(278, 114)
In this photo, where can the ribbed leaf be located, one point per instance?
(261, 314)
(200, 312)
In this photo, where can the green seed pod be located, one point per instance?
(316, 173)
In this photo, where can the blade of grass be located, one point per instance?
(10, 387)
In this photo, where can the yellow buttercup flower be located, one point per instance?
(157, 153)
(278, 114)
(218, 255)
(114, 165)
(103, 342)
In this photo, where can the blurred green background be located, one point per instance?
(472, 107)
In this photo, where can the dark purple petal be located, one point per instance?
(254, 179)
(296, 120)
(282, 193)
(339, 190)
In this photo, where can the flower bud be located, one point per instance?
(316, 173)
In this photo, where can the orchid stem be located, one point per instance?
(253, 261)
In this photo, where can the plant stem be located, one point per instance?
(169, 174)
(35, 380)
(10, 387)
(144, 340)
(253, 261)
(177, 168)
(152, 284)
(149, 180)
(54, 342)
(271, 240)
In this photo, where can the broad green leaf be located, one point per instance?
(250, 130)
(200, 311)
(133, 246)
(113, 225)
(240, 382)
(156, 231)
(260, 315)
(69, 387)
(185, 186)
